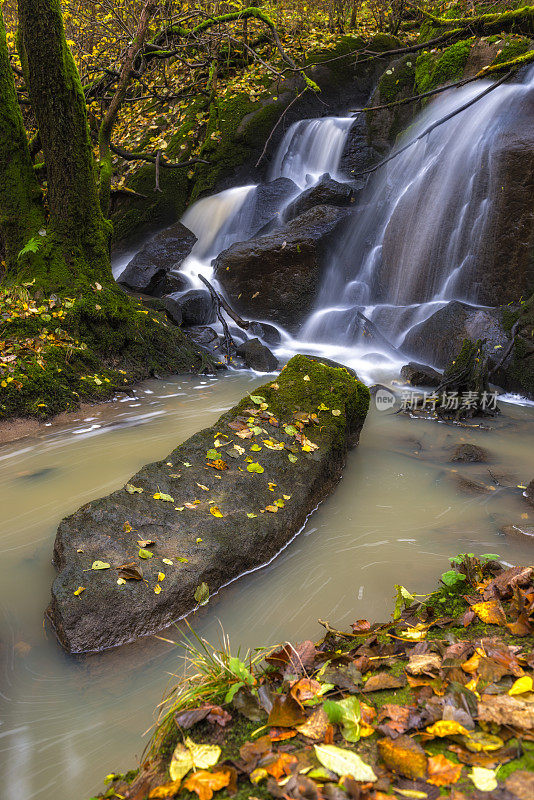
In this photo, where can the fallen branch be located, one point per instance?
(151, 158)
(229, 342)
(241, 323)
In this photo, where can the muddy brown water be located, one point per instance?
(400, 511)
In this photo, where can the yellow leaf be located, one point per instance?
(484, 779)
(161, 576)
(191, 755)
(157, 588)
(446, 727)
(521, 685)
(336, 412)
(216, 511)
(79, 590)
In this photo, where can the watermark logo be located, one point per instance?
(384, 399)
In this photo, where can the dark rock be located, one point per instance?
(170, 283)
(267, 332)
(257, 356)
(278, 276)
(468, 453)
(163, 252)
(518, 530)
(469, 486)
(439, 338)
(196, 307)
(107, 614)
(420, 375)
(268, 199)
(326, 192)
(203, 335)
(529, 493)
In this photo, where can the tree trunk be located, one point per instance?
(21, 211)
(77, 241)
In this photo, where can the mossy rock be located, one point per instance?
(257, 497)
(435, 69)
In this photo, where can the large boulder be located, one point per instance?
(194, 307)
(193, 535)
(268, 199)
(163, 252)
(420, 375)
(257, 356)
(326, 192)
(439, 338)
(277, 276)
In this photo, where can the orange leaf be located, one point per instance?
(204, 783)
(403, 755)
(305, 689)
(166, 790)
(281, 766)
(218, 463)
(490, 612)
(442, 772)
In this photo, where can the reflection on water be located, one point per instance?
(395, 518)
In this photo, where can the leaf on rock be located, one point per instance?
(257, 399)
(219, 464)
(255, 467)
(145, 542)
(100, 565)
(272, 509)
(204, 783)
(442, 771)
(165, 497)
(213, 454)
(202, 594)
(131, 489)
(131, 572)
(127, 528)
(79, 591)
(404, 756)
(344, 762)
(216, 511)
(145, 553)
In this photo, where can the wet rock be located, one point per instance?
(163, 252)
(420, 375)
(204, 335)
(469, 486)
(194, 307)
(267, 332)
(518, 530)
(326, 192)
(439, 338)
(268, 199)
(257, 356)
(529, 493)
(468, 453)
(278, 276)
(204, 536)
(170, 283)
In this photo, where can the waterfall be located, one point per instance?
(413, 242)
(310, 148)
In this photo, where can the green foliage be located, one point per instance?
(435, 69)
(32, 246)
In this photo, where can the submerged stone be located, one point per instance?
(222, 503)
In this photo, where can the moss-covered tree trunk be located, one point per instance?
(76, 247)
(21, 211)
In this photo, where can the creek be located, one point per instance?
(398, 514)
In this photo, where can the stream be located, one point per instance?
(400, 511)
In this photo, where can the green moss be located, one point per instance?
(397, 81)
(435, 69)
(512, 47)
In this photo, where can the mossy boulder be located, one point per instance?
(219, 505)
(435, 69)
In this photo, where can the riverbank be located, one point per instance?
(437, 701)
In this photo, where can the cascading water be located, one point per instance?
(414, 240)
(310, 148)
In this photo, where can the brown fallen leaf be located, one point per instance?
(305, 689)
(130, 572)
(294, 658)
(252, 752)
(145, 542)
(383, 680)
(218, 463)
(442, 771)
(486, 760)
(316, 726)
(506, 710)
(281, 734)
(282, 765)
(397, 716)
(286, 712)
(404, 756)
(423, 663)
(361, 626)
(204, 783)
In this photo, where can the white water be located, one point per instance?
(415, 240)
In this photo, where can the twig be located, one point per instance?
(229, 342)
(284, 112)
(229, 310)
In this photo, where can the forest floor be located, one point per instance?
(437, 702)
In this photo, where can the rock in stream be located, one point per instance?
(223, 502)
